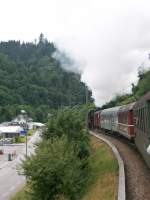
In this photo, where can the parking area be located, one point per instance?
(6, 141)
(9, 152)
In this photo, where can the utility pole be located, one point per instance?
(25, 127)
(86, 99)
(26, 144)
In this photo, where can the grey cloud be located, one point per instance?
(109, 39)
(114, 43)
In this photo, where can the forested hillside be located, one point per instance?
(138, 90)
(31, 78)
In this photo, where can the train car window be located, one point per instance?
(127, 117)
(139, 118)
(143, 120)
(145, 117)
(136, 118)
(142, 125)
(138, 114)
(139, 122)
(124, 118)
(148, 117)
(120, 118)
(146, 128)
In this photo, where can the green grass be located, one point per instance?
(22, 194)
(31, 132)
(20, 139)
(104, 177)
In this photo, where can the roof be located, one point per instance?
(5, 124)
(38, 124)
(10, 129)
(126, 108)
(109, 111)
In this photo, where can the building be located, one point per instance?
(10, 131)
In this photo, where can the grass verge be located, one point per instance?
(22, 194)
(104, 180)
(31, 132)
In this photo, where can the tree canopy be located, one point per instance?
(31, 77)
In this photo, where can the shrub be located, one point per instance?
(56, 171)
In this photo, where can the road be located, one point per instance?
(10, 181)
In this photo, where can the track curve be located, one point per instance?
(136, 172)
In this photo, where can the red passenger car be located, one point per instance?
(126, 121)
(97, 118)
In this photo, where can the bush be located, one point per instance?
(56, 171)
(60, 169)
(70, 122)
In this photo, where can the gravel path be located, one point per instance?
(137, 173)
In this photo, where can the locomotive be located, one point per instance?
(131, 120)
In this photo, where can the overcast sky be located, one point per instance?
(109, 38)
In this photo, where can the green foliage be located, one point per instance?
(117, 100)
(56, 170)
(61, 167)
(31, 132)
(70, 122)
(31, 77)
(22, 194)
(19, 139)
(143, 85)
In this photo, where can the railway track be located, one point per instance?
(136, 172)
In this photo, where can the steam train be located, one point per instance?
(131, 120)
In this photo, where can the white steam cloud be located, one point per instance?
(113, 39)
(67, 62)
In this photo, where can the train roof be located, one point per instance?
(98, 111)
(93, 111)
(111, 110)
(127, 107)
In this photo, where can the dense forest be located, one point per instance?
(31, 78)
(138, 90)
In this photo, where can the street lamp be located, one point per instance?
(25, 127)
